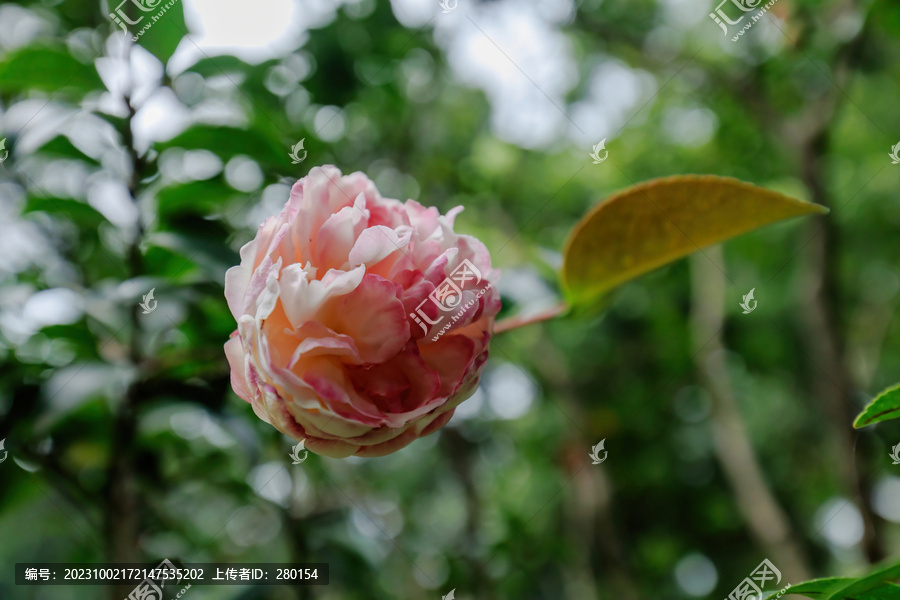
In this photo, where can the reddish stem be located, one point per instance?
(520, 321)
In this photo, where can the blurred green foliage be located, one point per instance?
(100, 402)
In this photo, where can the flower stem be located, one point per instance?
(520, 321)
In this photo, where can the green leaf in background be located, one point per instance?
(47, 69)
(890, 591)
(196, 197)
(213, 255)
(62, 147)
(873, 582)
(162, 39)
(817, 588)
(212, 67)
(227, 142)
(73, 210)
(874, 586)
(649, 225)
(884, 407)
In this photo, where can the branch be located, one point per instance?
(122, 508)
(520, 321)
(821, 312)
(589, 506)
(768, 522)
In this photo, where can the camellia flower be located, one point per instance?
(362, 322)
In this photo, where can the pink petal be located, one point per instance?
(235, 355)
(400, 385)
(303, 296)
(377, 243)
(336, 238)
(451, 358)
(373, 316)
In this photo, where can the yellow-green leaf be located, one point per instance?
(649, 225)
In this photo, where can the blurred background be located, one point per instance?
(129, 166)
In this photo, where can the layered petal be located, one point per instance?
(362, 321)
